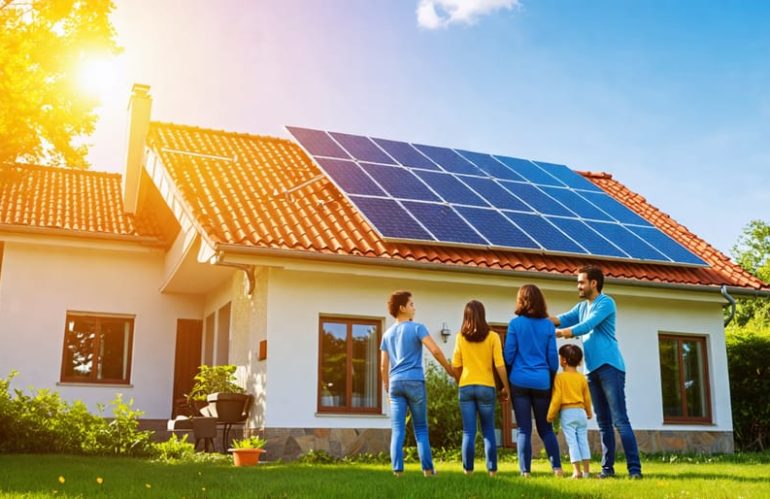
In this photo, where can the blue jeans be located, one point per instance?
(608, 391)
(411, 394)
(478, 399)
(525, 402)
(574, 424)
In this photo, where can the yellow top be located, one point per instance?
(478, 359)
(570, 389)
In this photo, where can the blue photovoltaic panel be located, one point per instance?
(666, 245)
(569, 176)
(390, 219)
(350, 177)
(495, 194)
(577, 204)
(549, 237)
(443, 222)
(440, 195)
(450, 189)
(615, 209)
(530, 171)
(406, 154)
(537, 199)
(399, 182)
(491, 166)
(586, 237)
(449, 160)
(627, 241)
(496, 228)
(318, 143)
(362, 148)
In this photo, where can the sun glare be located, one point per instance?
(100, 78)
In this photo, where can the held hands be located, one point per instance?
(564, 333)
(504, 394)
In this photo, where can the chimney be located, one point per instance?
(139, 107)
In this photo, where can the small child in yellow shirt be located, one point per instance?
(571, 400)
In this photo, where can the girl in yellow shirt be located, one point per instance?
(477, 352)
(571, 400)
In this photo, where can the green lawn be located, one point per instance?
(38, 476)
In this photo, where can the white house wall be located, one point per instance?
(40, 283)
(296, 299)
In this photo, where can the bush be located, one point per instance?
(42, 422)
(173, 449)
(748, 351)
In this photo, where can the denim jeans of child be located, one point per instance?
(574, 424)
(478, 399)
(412, 395)
(528, 401)
(608, 393)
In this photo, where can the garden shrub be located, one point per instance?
(173, 449)
(41, 422)
(748, 351)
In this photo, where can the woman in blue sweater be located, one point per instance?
(532, 360)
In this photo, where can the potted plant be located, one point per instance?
(247, 451)
(215, 389)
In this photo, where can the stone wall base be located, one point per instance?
(657, 441)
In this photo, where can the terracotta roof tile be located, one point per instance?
(250, 193)
(83, 202)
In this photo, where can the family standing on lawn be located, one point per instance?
(527, 368)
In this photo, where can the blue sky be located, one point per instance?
(671, 97)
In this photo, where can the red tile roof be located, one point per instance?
(250, 193)
(74, 202)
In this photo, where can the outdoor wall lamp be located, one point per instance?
(445, 332)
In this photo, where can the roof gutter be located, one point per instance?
(367, 260)
(219, 259)
(81, 234)
(730, 303)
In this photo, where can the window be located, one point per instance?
(349, 366)
(216, 339)
(97, 349)
(684, 379)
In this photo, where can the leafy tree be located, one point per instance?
(42, 45)
(752, 252)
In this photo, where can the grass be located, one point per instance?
(32, 476)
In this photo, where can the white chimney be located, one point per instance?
(139, 106)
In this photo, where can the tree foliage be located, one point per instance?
(752, 253)
(42, 45)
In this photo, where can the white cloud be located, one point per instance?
(434, 14)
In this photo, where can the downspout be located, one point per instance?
(730, 302)
(247, 269)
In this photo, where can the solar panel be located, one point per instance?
(362, 148)
(536, 198)
(437, 195)
(450, 188)
(399, 182)
(491, 166)
(449, 160)
(568, 176)
(443, 222)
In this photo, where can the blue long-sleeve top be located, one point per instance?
(530, 352)
(594, 323)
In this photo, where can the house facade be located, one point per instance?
(219, 247)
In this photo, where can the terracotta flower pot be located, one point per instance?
(246, 457)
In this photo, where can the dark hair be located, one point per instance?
(530, 302)
(593, 273)
(397, 300)
(572, 354)
(475, 327)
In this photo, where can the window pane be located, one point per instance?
(113, 350)
(365, 350)
(694, 386)
(333, 364)
(669, 377)
(208, 340)
(79, 340)
(223, 335)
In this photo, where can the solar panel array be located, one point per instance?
(419, 193)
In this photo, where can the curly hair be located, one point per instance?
(397, 300)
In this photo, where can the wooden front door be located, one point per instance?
(189, 334)
(508, 424)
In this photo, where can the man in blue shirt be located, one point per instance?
(593, 321)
